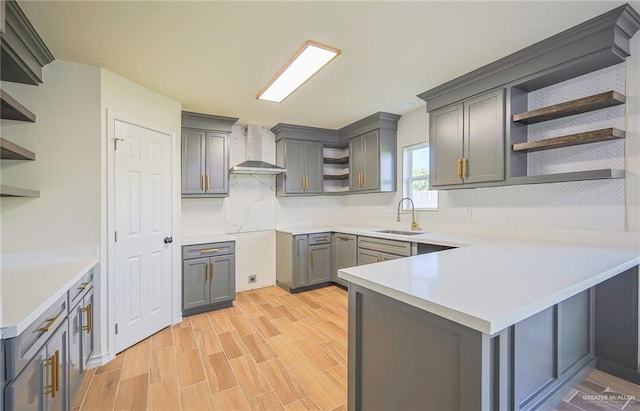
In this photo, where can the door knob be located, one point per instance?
(168, 240)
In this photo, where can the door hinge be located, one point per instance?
(115, 236)
(116, 328)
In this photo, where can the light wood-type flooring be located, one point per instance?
(271, 351)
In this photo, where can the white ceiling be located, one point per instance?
(215, 56)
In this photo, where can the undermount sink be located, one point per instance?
(399, 232)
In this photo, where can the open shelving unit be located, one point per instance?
(596, 136)
(12, 151)
(335, 169)
(10, 191)
(11, 109)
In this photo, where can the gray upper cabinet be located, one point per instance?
(467, 141)
(205, 155)
(303, 161)
(365, 162)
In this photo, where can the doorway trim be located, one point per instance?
(109, 258)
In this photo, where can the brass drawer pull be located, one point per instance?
(89, 310)
(209, 250)
(54, 362)
(311, 257)
(202, 181)
(208, 182)
(47, 327)
(464, 167)
(459, 168)
(83, 285)
(213, 270)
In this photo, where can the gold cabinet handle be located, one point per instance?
(311, 257)
(213, 270)
(202, 182)
(363, 180)
(464, 167)
(459, 168)
(206, 271)
(50, 389)
(340, 237)
(83, 286)
(322, 239)
(209, 250)
(49, 322)
(56, 368)
(359, 179)
(208, 179)
(89, 310)
(307, 182)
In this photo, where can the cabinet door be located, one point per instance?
(26, 392)
(223, 278)
(75, 349)
(57, 349)
(371, 150)
(193, 161)
(445, 142)
(294, 160)
(195, 292)
(388, 257)
(87, 328)
(216, 161)
(484, 137)
(357, 160)
(368, 257)
(319, 263)
(300, 246)
(346, 254)
(313, 167)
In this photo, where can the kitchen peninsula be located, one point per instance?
(502, 324)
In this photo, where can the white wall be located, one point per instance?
(633, 137)
(151, 109)
(66, 140)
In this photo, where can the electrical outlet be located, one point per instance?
(467, 213)
(253, 279)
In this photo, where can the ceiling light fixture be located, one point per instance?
(307, 61)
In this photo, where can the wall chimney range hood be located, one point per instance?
(253, 150)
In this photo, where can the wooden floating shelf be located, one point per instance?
(602, 174)
(588, 137)
(570, 108)
(336, 177)
(13, 110)
(9, 191)
(343, 160)
(12, 151)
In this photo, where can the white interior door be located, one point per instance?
(143, 219)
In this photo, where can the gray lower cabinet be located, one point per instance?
(345, 254)
(205, 163)
(467, 141)
(303, 261)
(374, 250)
(80, 330)
(208, 277)
(303, 161)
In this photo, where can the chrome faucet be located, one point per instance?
(414, 223)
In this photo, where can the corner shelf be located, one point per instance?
(343, 160)
(336, 177)
(12, 110)
(570, 108)
(588, 137)
(10, 191)
(601, 174)
(12, 151)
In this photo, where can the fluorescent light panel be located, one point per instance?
(304, 64)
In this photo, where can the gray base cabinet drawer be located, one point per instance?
(320, 238)
(400, 248)
(208, 277)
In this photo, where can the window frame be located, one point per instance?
(408, 178)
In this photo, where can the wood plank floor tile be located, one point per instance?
(565, 406)
(265, 402)
(343, 407)
(310, 330)
(324, 392)
(256, 298)
(286, 387)
(164, 395)
(220, 322)
(250, 310)
(315, 355)
(190, 369)
(102, 391)
(608, 380)
(290, 312)
(200, 322)
(242, 297)
(305, 404)
(332, 304)
(257, 346)
(288, 329)
(334, 332)
(291, 300)
(337, 374)
(230, 400)
(162, 338)
(265, 327)
(242, 325)
(219, 373)
(184, 339)
(286, 350)
(310, 315)
(309, 301)
(207, 342)
(249, 376)
(78, 398)
(337, 350)
(115, 364)
(232, 344)
(196, 398)
(580, 400)
(273, 299)
(338, 317)
(136, 360)
(132, 393)
(162, 365)
(270, 311)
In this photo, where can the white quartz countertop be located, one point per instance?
(493, 283)
(28, 290)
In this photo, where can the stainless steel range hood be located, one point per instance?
(253, 151)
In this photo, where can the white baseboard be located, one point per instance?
(98, 360)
